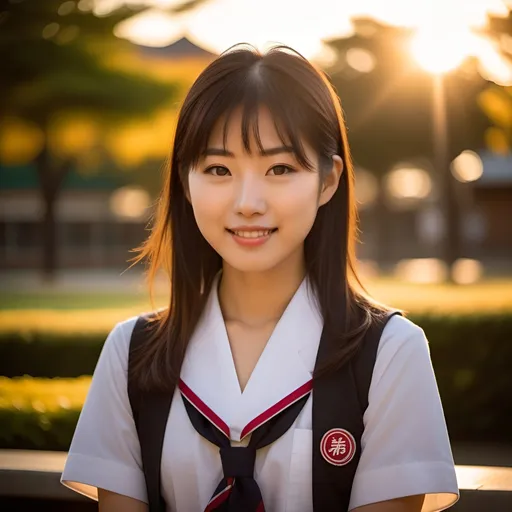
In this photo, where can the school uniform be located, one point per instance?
(405, 444)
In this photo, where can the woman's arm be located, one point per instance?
(105, 450)
(109, 501)
(405, 445)
(406, 504)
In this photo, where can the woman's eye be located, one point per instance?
(279, 170)
(217, 170)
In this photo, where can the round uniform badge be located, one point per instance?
(338, 446)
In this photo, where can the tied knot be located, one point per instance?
(238, 461)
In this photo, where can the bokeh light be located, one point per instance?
(130, 202)
(50, 30)
(408, 183)
(497, 141)
(468, 166)
(66, 8)
(361, 60)
(467, 271)
(21, 141)
(421, 270)
(366, 188)
(85, 5)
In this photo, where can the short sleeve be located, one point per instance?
(405, 444)
(105, 450)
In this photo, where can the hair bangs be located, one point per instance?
(286, 125)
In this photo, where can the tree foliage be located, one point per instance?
(496, 101)
(52, 64)
(389, 110)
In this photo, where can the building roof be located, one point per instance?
(497, 169)
(182, 48)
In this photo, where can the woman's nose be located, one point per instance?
(250, 197)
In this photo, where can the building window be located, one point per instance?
(75, 234)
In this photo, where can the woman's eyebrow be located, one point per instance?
(264, 152)
(276, 151)
(217, 152)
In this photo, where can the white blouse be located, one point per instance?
(405, 444)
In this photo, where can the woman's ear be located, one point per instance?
(331, 181)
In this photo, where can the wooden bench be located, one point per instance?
(35, 475)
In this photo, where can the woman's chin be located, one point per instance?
(252, 263)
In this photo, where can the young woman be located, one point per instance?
(256, 229)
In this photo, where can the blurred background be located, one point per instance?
(89, 96)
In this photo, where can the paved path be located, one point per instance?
(73, 280)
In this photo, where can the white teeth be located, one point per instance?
(252, 234)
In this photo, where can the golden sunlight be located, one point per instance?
(446, 36)
(445, 28)
(439, 51)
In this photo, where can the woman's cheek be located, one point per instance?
(207, 200)
(299, 206)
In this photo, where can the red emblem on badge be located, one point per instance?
(338, 446)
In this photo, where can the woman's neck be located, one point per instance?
(257, 298)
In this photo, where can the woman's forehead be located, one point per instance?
(228, 130)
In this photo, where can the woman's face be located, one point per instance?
(256, 209)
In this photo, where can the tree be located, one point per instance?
(389, 112)
(496, 100)
(52, 60)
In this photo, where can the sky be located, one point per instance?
(444, 27)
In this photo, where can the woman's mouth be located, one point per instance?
(251, 237)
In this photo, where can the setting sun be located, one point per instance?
(445, 29)
(441, 52)
(446, 35)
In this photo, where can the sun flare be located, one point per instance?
(445, 29)
(441, 52)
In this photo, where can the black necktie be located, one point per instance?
(238, 491)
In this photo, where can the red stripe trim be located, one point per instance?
(204, 409)
(277, 408)
(221, 497)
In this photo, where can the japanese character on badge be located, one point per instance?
(338, 446)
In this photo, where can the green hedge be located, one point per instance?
(49, 354)
(465, 340)
(471, 355)
(40, 414)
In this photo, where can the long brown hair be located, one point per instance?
(305, 107)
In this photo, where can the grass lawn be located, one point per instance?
(69, 301)
(102, 310)
(489, 295)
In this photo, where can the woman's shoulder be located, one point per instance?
(400, 334)
(121, 333)
(125, 326)
(403, 357)
(118, 340)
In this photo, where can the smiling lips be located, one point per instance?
(251, 236)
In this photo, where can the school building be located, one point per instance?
(100, 218)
